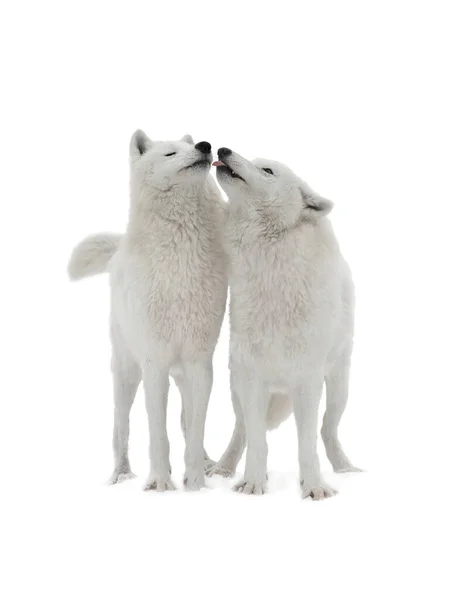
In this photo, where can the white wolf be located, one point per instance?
(168, 294)
(291, 319)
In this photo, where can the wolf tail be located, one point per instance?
(92, 255)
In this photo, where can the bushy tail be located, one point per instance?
(92, 255)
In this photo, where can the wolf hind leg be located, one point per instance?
(126, 379)
(337, 384)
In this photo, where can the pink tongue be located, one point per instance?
(218, 163)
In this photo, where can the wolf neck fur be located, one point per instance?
(178, 206)
(264, 222)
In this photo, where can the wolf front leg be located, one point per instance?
(156, 387)
(227, 464)
(198, 381)
(180, 383)
(254, 397)
(306, 399)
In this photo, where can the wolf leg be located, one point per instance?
(156, 388)
(227, 464)
(306, 398)
(180, 383)
(198, 381)
(126, 379)
(254, 398)
(337, 383)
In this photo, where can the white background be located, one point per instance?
(355, 97)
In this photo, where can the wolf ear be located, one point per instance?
(316, 206)
(187, 138)
(139, 144)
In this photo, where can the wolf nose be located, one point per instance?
(223, 152)
(204, 147)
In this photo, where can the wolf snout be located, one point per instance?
(204, 147)
(223, 152)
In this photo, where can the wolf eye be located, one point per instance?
(171, 154)
(268, 170)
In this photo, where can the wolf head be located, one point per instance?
(167, 165)
(268, 187)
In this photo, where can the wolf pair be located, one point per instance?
(291, 309)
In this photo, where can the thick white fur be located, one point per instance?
(168, 293)
(92, 255)
(291, 318)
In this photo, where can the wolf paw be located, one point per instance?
(159, 484)
(256, 489)
(194, 482)
(318, 492)
(218, 469)
(209, 464)
(119, 477)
